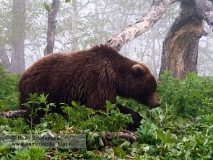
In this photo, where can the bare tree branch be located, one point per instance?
(124, 134)
(105, 135)
(15, 113)
(149, 19)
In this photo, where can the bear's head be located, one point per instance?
(145, 86)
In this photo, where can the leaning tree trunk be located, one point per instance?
(51, 27)
(148, 20)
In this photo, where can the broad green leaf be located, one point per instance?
(101, 143)
(166, 137)
(125, 144)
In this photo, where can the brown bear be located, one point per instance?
(90, 77)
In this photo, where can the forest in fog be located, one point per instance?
(82, 24)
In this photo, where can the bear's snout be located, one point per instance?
(156, 105)
(153, 100)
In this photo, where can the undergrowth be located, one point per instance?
(8, 90)
(181, 128)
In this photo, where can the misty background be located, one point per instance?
(82, 24)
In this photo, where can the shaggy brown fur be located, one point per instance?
(89, 76)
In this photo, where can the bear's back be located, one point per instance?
(73, 76)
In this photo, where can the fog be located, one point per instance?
(86, 23)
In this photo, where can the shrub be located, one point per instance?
(8, 90)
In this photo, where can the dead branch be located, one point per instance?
(15, 113)
(123, 134)
(105, 135)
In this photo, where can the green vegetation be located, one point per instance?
(180, 129)
(8, 90)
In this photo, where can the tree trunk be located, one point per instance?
(74, 15)
(18, 36)
(51, 27)
(153, 55)
(180, 47)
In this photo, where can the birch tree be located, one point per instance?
(185, 33)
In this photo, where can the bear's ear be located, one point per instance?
(138, 69)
